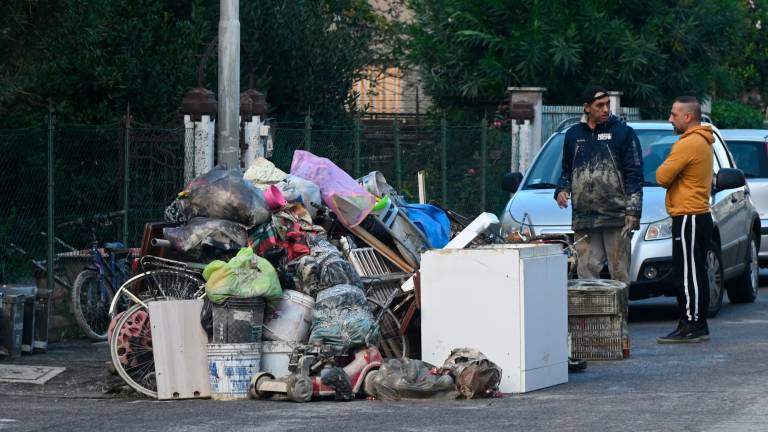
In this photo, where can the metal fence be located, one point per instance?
(96, 169)
(140, 169)
(554, 115)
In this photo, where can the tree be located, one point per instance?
(752, 64)
(313, 51)
(90, 58)
(652, 50)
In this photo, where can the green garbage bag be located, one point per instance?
(245, 275)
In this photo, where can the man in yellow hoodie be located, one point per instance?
(687, 176)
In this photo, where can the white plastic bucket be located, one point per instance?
(275, 356)
(291, 320)
(231, 367)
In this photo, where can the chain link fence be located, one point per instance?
(96, 170)
(139, 169)
(463, 165)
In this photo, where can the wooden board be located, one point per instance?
(180, 349)
(388, 253)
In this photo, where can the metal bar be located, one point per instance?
(421, 178)
(50, 213)
(308, 132)
(483, 161)
(444, 161)
(127, 173)
(356, 142)
(398, 161)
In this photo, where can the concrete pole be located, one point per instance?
(615, 98)
(532, 96)
(228, 134)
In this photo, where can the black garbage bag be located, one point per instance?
(221, 194)
(475, 375)
(216, 233)
(341, 319)
(404, 378)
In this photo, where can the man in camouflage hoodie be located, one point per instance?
(603, 177)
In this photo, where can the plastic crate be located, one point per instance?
(596, 297)
(238, 320)
(596, 337)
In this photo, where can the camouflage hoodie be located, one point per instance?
(603, 171)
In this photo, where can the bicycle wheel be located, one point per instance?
(155, 284)
(391, 344)
(130, 348)
(90, 304)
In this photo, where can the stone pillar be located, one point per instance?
(198, 146)
(532, 96)
(199, 107)
(258, 140)
(615, 97)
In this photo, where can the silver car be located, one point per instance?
(732, 257)
(749, 148)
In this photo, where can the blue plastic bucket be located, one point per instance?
(231, 367)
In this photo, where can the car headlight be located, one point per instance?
(659, 230)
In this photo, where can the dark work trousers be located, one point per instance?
(691, 235)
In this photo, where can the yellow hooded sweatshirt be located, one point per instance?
(687, 172)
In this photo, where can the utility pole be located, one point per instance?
(228, 131)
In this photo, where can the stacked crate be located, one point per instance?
(597, 319)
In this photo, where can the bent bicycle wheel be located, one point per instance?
(130, 348)
(90, 304)
(391, 344)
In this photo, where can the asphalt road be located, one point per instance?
(715, 386)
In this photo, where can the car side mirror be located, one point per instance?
(730, 178)
(511, 182)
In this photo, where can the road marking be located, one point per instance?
(754, 321)
(5, 423)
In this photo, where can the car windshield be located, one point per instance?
(750, 157)
(545, 172)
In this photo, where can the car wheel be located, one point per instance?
(715, 276)
(744, 288)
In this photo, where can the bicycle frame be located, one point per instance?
(110, 275)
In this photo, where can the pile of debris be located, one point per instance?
(327, 256)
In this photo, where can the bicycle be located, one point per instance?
(130, 340)
(94, 287)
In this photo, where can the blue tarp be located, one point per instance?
(432, 221)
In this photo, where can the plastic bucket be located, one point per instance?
(275, 356)
(238, 320)
(292, 319)
(230, 369)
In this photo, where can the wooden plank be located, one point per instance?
(179, 346)
(383, 249)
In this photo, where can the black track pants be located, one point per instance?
(691, 235)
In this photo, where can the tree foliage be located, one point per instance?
(89, 58)
(736, 115)
(652, 50)
(752, 64)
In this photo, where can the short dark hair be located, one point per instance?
(693, 105)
